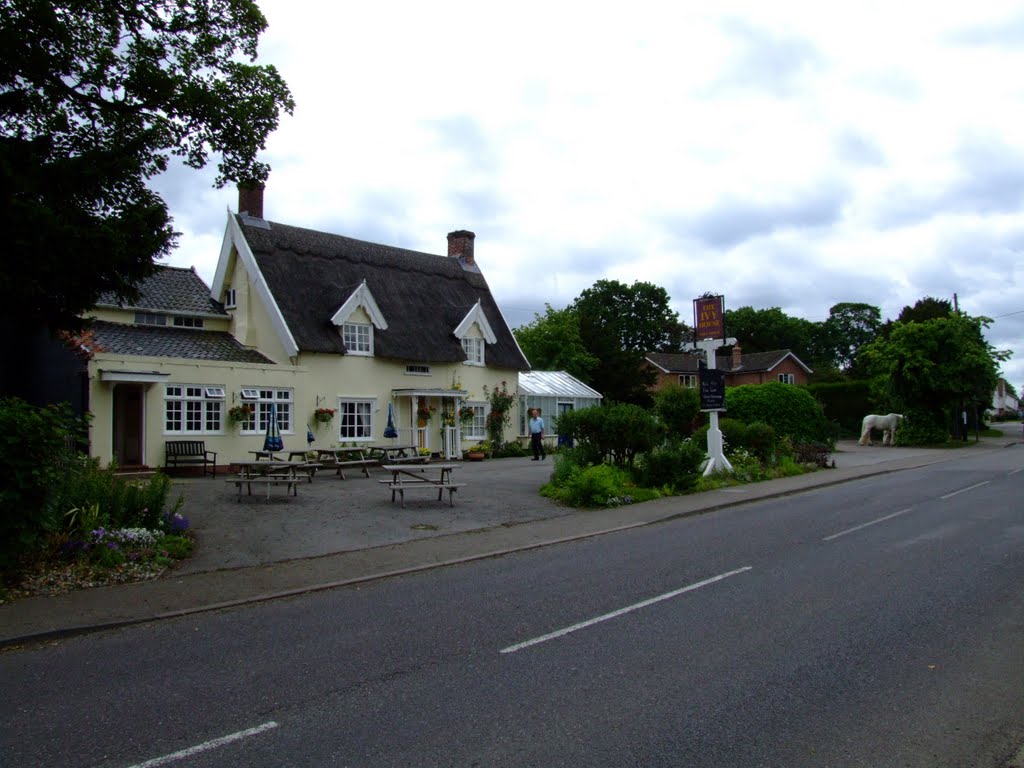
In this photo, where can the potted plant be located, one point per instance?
(238, 414)
(323, 415)
(479, 451)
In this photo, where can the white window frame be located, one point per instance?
(473, 346)
(284, 400)
(358, 338)
(476, 429)
(230, 298)
(191, 409)
(150, 318)
(187, 321)
(351, 412)
(416, 369)
(787, 378)
(688, 380)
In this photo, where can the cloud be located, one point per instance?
(734, 220)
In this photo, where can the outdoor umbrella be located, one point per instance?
(389, 430)
(273, 441)
(309, 436)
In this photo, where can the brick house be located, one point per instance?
(753, 368)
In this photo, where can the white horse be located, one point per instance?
(887, 424)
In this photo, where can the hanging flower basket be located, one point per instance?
(466, 415)
(239, 414)
(424, 412)
(323, 415)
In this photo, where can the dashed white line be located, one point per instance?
(621, 611)
(865, 525)
(964, 490)
(206, 746)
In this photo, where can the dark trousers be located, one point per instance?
(537, 443)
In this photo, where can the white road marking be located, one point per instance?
(865, 525)
(206, 746)
(621, 611)
(964, 490)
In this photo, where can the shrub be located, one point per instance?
(121, 503)
(674, 466)
(614, 433)
(678, 408)
(789, 410)
(760, 441)
(35, 444)
(734, 434)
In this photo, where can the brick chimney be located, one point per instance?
(460, 245)
(737, 356)
(250, 200)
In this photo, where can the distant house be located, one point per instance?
(552, 393)
(1004, 403)
(297, 320)
(754, 368)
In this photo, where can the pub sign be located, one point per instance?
(712, 388)
(709, 317)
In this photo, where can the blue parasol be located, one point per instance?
(273, 441)
(309, 436)
(389, 430)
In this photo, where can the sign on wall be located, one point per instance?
(709, 317)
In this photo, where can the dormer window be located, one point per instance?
(356, 319)
(181, 321)
(474, 332)
(230, 299)
(474, 349)
(358, 338)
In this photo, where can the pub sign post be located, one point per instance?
(709, 333)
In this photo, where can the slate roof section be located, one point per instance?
(749, 361)
(172, 290)
(423, 297)
(186, 343)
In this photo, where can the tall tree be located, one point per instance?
(932, 369)
(848, 328)
(619, 324)
(96, 97)
(552, 342)
(928, 308)
(765, 330)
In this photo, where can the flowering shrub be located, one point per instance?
(501, 402)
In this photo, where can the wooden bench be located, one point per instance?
(179, 452)
(363, 464)
(289, 480)
(414, 485)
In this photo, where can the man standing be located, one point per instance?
(537, 435)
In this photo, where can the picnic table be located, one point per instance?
(397, 454)
(267, 472)
(347, 457)
(405, 477)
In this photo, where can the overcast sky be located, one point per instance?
(784, 154)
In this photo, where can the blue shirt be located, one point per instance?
(536, 425)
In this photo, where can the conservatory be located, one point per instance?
(552, 393)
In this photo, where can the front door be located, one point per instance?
(128, 438)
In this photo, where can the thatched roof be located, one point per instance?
(423, 297)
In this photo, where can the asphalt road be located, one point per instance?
(874, 623)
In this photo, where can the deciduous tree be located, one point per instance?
(96, 98)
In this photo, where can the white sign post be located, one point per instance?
(716, 460)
